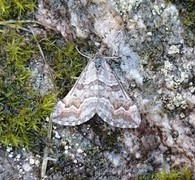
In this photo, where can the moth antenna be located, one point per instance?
(82, 53)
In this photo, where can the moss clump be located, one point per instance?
(183, 174)
(22, 108)
(14, 9)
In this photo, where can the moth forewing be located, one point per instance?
(97, 91)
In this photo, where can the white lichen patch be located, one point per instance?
(178, 101)
(167, 68)
(173, 49)
(114, 159)
(124, 6)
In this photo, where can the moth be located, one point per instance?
(97, 91)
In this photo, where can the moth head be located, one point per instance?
(98, 63)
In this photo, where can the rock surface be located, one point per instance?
(158, 67)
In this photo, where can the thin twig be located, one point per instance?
(82, 53)
(105, 57)
(19, 21)
(46, 151)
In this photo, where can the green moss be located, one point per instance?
(14, 9)
(22, 109)
(183, 174)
